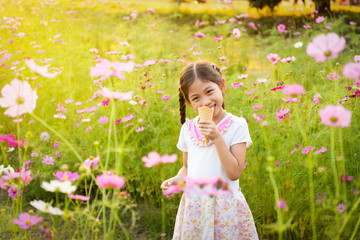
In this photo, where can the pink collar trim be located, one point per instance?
(197, 137)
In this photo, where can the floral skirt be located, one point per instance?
(212, 218)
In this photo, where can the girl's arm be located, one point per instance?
(233, 160)
(179, 177)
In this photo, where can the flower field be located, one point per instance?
(89, 116)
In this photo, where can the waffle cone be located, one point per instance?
(206, 113)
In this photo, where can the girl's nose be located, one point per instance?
(206, 102)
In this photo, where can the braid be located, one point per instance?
(182, 106)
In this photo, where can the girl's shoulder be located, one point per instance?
(237, 120)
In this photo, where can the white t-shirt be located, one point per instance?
(203, 161)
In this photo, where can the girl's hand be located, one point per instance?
(209, 129)
(171, 181)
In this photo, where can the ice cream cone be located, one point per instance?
(206, 113)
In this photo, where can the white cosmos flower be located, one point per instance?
(55, 185)
(8, 168)
(298, 44)
(132, 102)
(45, 207)
(10, 149)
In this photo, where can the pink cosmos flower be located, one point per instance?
(282, 114)
(357, 58)
(237, 84)
(294, 89)
(42, 71)
(173, 189)
(106, 69)
(252, 25)
(261, 80)
(103, 120)
(165, 60)
(250, 93)
(25, 220)
(57, 154)
(107, 93)
(277, 163)
(89, 129)
(293, 151)
(328, 27)
(352, 23)
(34, 154)
(291, 100)
(288, 59)
(151, 26)
(199, 35)
(110, 181)
(274, 58)
(150, 62)
(78, 197)
(333, 76)
(94, 161)
(307, 27)
(243, 76)
(335, 116)
(307, 150)
(10, 139)
(166, 97)
(140, 129)
(319, 19)
(258, 118)
(13, 192)
(66, 176)
(56, 145)
(281, 28)
(256, 107)
(324, 47)
(18, 97)
(341, 208)
(316, 98)
(216, 39)
(352, 70)
(151, 10)
(321, 150)
(48, 160)
(236, 33)
(94, 50)
(154, 159)
(281, 204)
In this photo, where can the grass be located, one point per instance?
(102, 26)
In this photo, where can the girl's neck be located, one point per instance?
(221, 116)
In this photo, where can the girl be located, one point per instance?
(204, 217)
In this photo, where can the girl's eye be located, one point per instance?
(195, 98)
(209, 91)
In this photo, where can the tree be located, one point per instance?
(260, 4)
(322, 6)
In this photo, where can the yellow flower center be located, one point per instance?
(333, 119)
(20, 100)
(28, 222)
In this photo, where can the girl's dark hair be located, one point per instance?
(201, 70)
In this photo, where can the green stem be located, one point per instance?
(59, 135)
(347, 217)
(276, 193)
(355, 229)
(335, 175)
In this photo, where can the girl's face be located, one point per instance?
(207, 93)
